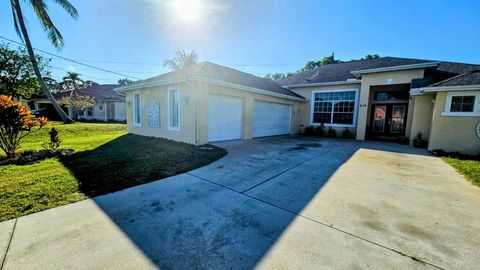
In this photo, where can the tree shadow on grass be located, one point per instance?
(132, 160)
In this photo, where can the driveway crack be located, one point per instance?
(9, 243)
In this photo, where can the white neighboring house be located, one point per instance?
(109, 105)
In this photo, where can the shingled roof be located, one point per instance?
(100, 92)
(469, 78)
(343, 71)
(216, 72)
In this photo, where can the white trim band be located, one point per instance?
(473, 87)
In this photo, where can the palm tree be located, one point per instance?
(181, 60)
(72, 80)
(41, 10)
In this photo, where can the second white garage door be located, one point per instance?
(224, 118)
(271, 119)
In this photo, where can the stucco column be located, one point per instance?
(362, 111)
(201, 115)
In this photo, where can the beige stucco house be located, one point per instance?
(376, 99)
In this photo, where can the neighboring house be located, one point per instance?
(378, 99)
(109, 104)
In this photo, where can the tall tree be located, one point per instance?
(41, 10)
(124, 81)
(17, 78)
(181, 60)
(326, 60)
(72, 81)
(370, 56)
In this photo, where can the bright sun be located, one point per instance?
(187, 10)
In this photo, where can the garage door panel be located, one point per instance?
(224, 118)
(271, 119)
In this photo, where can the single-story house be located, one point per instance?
(109, 104)
(376, 99)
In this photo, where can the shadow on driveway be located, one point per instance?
(221, 216)
(259, 206)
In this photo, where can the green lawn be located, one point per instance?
(106, 160)
(469, 167)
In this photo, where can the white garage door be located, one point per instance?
(224, 118)
(271, 119)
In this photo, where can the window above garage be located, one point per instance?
(334, 108)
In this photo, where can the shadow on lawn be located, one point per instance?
(192, 221)
(132, 160)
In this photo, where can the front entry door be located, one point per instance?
(110, 111)
(388, 120)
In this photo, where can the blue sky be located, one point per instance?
(253, 35)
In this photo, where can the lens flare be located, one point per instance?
(187, 10)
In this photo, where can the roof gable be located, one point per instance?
(469, 78)
(211, 71)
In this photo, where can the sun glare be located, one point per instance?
(187, 10)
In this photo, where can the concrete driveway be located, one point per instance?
(274, 203)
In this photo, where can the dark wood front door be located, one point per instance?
(388, 120)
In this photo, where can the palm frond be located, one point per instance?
(181, 60)
(171, 64)
(41, 10)
(68, 7)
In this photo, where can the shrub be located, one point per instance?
(419, 141)
(54, 141)
(309, 131)
(402, 140)
(332, 133)
(347, 134)
(319, 131)
(16, 122)
(33, 156)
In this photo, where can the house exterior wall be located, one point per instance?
(421, 116)
(194, 111)
(160, 94)
(383, 78)
(453, 133)
(306, 92)
(99, 111)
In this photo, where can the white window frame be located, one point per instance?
(448, 103)
(135, 123)
(170, 127)
(355, 109)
